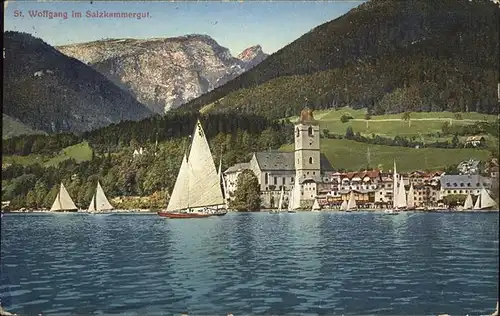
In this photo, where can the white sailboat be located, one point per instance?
(294, 200)
(315, 207)
(99, 203)
(411, 197)
(351, 205)
(484, 201)
(468, 203)
(280, 202)
(343, 206)
(63, 202)
(477, 205)
(197, 191)
(395, 193)
(401, 199)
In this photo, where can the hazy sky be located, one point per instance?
(235, 25)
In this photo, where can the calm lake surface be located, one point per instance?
(255, 263)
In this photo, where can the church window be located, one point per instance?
(310, 160)
(314, 172)
(297, 132)
(275, 180)
(266, 178)
(291, 180)
(310, 131)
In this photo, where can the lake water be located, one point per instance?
(255, 263)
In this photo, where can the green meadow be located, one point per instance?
(352, 155)
(78, 152)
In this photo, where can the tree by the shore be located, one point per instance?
(247, 193)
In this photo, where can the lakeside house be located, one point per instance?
(463, 184)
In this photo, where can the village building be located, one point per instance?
(463, 184)
(475, 141)
(470, 166)
(276, 169)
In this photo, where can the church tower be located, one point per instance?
(307, 153)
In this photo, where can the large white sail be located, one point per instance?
(63, 201)
(343, 206)
(411, 197)
(179, 198)
(401, 198)
(280, 203)
(395, 187)
(352, 202)
(101, 201)
(477, 205)
(204, 186)
(468, 202)
(486, 200)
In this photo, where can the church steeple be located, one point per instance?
(307, 147)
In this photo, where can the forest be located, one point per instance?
(232, 139)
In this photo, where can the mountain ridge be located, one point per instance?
(461, 33)
(51, 92)
(164, 73)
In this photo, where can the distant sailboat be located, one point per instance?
(411, 198)
(401, 199)
(484, 201)
(280, 202)
(99, 203)
(343, 206)
(468, 202)
(63, 201)
(294, 199)
(351, 205)
(197, 191)
(315, 207)
(395, 193)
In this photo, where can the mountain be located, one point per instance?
(252, 56)
(51, 92)
(388, 56)
(164, 73)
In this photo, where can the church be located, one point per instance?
(276, 169)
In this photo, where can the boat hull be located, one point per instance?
(183, 215)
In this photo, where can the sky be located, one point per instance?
(235, 25)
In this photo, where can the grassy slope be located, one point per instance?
(79, 152)
(352, 155)
(422, 123)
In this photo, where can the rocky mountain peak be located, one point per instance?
(252, 56)
(164, 73)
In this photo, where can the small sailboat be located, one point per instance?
(484, 201)
(411, 198)
(99, 203)
(343, 206)
(280, 202)
(63, 202)
(315, 207)
(351, 205)
(468, 204)
(399, 195)
(294, 200)
(197, 191)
